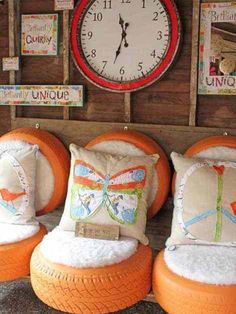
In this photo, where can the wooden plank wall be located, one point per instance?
(166, 102)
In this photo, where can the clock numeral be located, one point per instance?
(153, 54)
(125, 1)
(143, 4)
(97, 17)
(93, 53)
(104, 65)
(90, 35)
(155, 16)
(122, 70)
(140, 66)
(107, 4)
(159, 35)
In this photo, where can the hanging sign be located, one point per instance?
(61, 5)
(42, 95)
(39, 35)
(217, 53)
(10, 64)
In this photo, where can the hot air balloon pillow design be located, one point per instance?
(17, 184)
(205, 202)
(109, 190)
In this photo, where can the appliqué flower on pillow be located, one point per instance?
(215, 220)
(120, 194)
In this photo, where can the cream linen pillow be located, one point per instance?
(205, 202)
(17, 184)
(106, 189)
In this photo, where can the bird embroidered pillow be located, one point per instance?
(17, 184)
(205, 202)
(106, 189)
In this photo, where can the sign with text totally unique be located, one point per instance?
(39, 35)
(10, 64)
(61, 5)
(42, 95)
(217, 51)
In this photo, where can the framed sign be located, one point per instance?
(10, 64)
(217, 53)
(42, 95)
(39, 35)
(61, 5)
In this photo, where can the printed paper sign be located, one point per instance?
(38, 95)
(217, 53)
(93, 231)
(64, 5)
(10, 64)
(39, 35)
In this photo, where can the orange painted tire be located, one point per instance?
(92, 290)
(149, 146)
(209, 142)
(15, 257)
(178, 295)
(57, 156)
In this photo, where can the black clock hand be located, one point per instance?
(123, 38)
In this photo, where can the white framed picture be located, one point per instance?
(10, 64)
(61, 5)
(217, 50)
(39, 34)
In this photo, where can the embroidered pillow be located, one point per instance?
(17, 184)
(106, 189)
(205, 202)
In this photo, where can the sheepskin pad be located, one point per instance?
(62, 247)
(10, 233)
(206, 264)
(218, 153)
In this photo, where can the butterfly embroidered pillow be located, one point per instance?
(106, 189)
(17, 185)
(205, 202)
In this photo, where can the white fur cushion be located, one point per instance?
(206, 264)
(14, 233)
(62, 247)
(218, 153)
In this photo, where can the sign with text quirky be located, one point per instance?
(217, 52)
(39, 35)
(42, 95)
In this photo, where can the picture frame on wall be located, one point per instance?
(10, 64)
(217, 50)
(61, 5)
(39, 34)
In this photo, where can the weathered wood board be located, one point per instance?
(171, 138)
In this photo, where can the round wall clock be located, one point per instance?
(125, 45)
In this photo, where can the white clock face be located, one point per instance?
(124, 40)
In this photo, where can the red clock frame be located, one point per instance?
(160, 70)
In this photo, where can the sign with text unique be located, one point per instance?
(10, 64)
(39, 35)
(217, 51)
(61, 5)
(42, 95)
